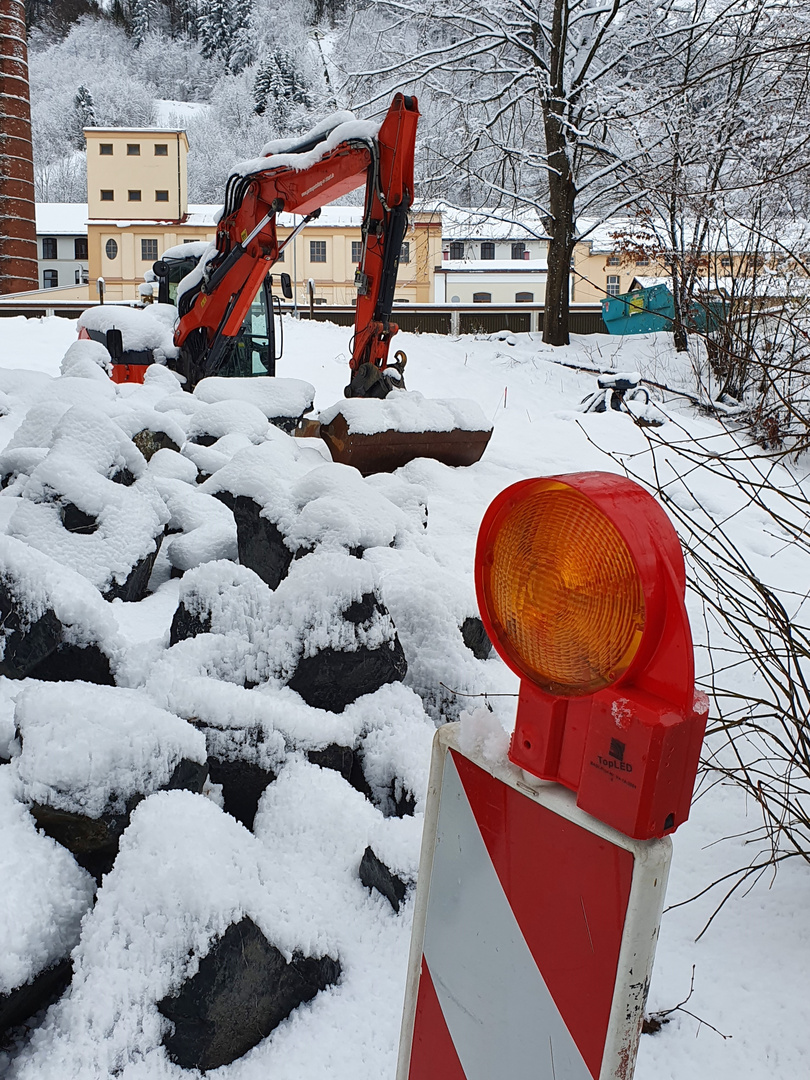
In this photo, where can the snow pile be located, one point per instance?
(92, 467)
(407, 410)
(275, 397)
(88, 749)
(37, 583)
(45, 894)
(150, 328)
(184, 874)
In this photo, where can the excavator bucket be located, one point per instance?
(384, 450)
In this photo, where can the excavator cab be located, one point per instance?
(260, 341)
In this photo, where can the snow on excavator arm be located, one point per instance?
(301, 179)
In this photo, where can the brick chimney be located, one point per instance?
(18, 237)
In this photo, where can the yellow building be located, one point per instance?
(137, 200)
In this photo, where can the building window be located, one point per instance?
(133, 149)
(613, 260)
(357, 250)
(524, 298)
(281, 256)
(80, 247)
(111, 248)
(317, 251)
(51, 279)
(49, 247)
(642, 262)
(106, 195)
(189, 240)
(105, 149)
(613, 285)
(81, 276)
(725, 262)
(518, 250)
(482, 298)
(161, 196)
(161, 149)
(134, 196)
(149, 250)
(487, 250)
(457, 250)
(405, 253)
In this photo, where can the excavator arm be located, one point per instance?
(301, 180)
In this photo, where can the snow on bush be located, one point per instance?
(186, 871)
(45, 894)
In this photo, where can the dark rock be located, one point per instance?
(227, 498)
(204, 440)
(476, 638)
(45, 988)
(363, 609)
(134, 588)
(260, 543)
(332, 680)
(286, 423)
(76, 521)
(338, 758)
(26, 644)
(149, 442)
(124, 477)
(375, 875)
(93, 842)
(71, 662)
(395, 801)
(185, 625)
(243, 784)
(243, 990)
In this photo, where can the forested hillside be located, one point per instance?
(261, 68)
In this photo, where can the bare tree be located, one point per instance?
(529, 101)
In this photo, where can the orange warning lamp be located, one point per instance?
(580, 582)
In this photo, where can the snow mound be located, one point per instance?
(38, 583)
(407, 410)
(274, 397)
(151, 327)
(93, 467)
(88, 749)
(206, 527)
(45, 894)
(186, 871)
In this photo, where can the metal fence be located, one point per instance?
(415, 319)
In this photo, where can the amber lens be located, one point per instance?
(563, 592)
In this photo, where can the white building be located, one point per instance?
(62, 244)
(496, 281)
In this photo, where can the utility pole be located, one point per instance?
(18, 234)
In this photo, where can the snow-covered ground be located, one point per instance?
(186, 870)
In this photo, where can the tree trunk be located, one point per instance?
(18, 231)
(561, 229)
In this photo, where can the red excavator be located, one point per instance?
(224, 297)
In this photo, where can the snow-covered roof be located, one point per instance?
(493, 266)
(134, 130)
(61, 219)
(490, 224)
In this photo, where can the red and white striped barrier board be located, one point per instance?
(534, 930)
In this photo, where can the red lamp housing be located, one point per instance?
(580, 582)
